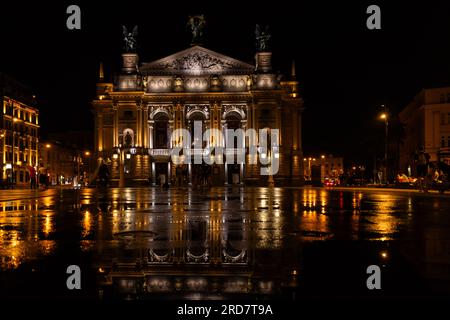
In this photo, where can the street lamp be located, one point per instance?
(385, 116)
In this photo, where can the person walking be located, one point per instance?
(32, 173)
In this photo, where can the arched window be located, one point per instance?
(233, 122)
(161, 131)
(197, 116)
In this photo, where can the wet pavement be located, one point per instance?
(223, 243)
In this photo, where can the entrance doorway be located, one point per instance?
(161, 173)
(233, 174)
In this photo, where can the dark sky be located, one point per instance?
(345, 70)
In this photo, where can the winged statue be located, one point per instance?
(262, 38)
(196, 25)
(130, 39)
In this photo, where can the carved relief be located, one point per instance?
(234, 83)
(190, 109)
(198, 61)
(237, 108)
(166, 109)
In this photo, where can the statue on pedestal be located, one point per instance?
(196, 25)
(130, 39)
(262, 38)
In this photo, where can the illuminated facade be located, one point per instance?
(331, 167)
(64, 164)
(19, 131)
(427, 128)
(136, 115)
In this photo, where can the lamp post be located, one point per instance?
(385, 116)
(78, 170)
(87, 154)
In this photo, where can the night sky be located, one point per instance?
(345, 70)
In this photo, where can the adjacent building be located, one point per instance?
(427, 128)
(136, 114)
(64, 165)
(19, 132)
(323, 166)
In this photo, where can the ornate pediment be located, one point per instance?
(196, 61)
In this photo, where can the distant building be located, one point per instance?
(63, 163)
(427, 128)
(329, 166)
(19, 132)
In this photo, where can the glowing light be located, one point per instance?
(87, 153)
(115, 156)
(383, 116)
(48, 145)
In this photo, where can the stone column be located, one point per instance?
(138, 123)
(151, 134)
(295, 137)
(278, 123)
(115, 125)
(100, 132)
(145, 126)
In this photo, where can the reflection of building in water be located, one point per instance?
(200, 253)
(24, 233)
(327, 166)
